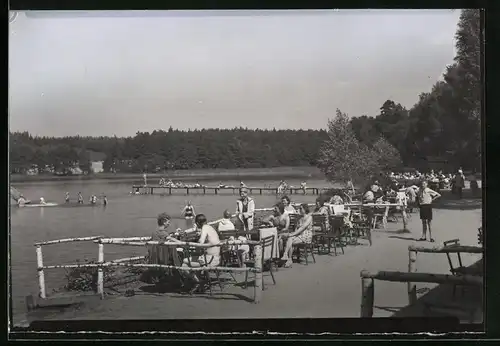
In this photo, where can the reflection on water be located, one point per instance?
(125, 216)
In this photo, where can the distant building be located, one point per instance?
(97, 166)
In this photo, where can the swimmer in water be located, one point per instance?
(104, 200)
(67, 197)
(93, 199)
(80, 198)
(189, 214)
(21, 202)
(42, 201)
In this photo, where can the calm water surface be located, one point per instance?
(125, 216)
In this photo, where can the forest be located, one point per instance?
(444, 125)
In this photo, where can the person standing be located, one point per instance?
(459, 183)
(80, 198)
(67, 197)
(245, 208)
(425, 197)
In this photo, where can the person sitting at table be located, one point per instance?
(160, 254)
(336, 199)
(287, 203)
(211, 256)
(302, 234)
(225, 224)
(245, 208)
(279, 218)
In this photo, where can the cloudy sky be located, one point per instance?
(119, 73)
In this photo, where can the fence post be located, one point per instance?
(258, 273)
(412, 288)
(367, 297)
(41, 275)
(100, 276)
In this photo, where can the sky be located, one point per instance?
(116, 73)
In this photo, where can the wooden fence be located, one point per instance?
(411, 277)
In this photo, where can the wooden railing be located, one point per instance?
(143, 241)
(411, 277)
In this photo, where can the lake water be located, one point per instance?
(125, 216)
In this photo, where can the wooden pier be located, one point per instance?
(150, 190)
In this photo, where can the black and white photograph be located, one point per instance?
(245, 165)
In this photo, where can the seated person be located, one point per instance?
(336, 199)
(288, 205)
(160, 254)
(208, 236)
(226, 224)
(302, 234)
(279, 218)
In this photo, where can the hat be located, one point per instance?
(460, 171)
(244, 189)
(227, 214)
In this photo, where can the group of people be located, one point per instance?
(437, 181)
(169, 183)
(92, 200)
(411, 196)
(242, 220)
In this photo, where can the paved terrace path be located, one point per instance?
(329, 288)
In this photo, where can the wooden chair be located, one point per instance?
(267, 259)
(229, 254)
(294, 218)
(319, 230)
(380, 214)
(307, 248)
(460, 270)
(205, 275)
(334, 234)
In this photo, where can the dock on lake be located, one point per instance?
(150, 190)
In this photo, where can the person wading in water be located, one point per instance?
(189, 214)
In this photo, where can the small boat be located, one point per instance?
(35, 205)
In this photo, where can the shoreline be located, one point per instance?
(197, 174)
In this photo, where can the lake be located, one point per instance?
(125, 216)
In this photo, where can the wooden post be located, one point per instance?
(261, 191)
(152, 190)
(412, 268)
(169, 190)
(100, 275)
(258, 273)
(216, 190)
(41, 275)
(204, 191)
(187, 190)
(367, 297)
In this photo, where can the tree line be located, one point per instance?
(444, 124)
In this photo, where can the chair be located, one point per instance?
(334, 234)
(294, 218)
(319, 230)
(308, 248)
(268, 243)
(206, 279)
(380, 213)
(460, 270)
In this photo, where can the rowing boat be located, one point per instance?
(64, 205)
